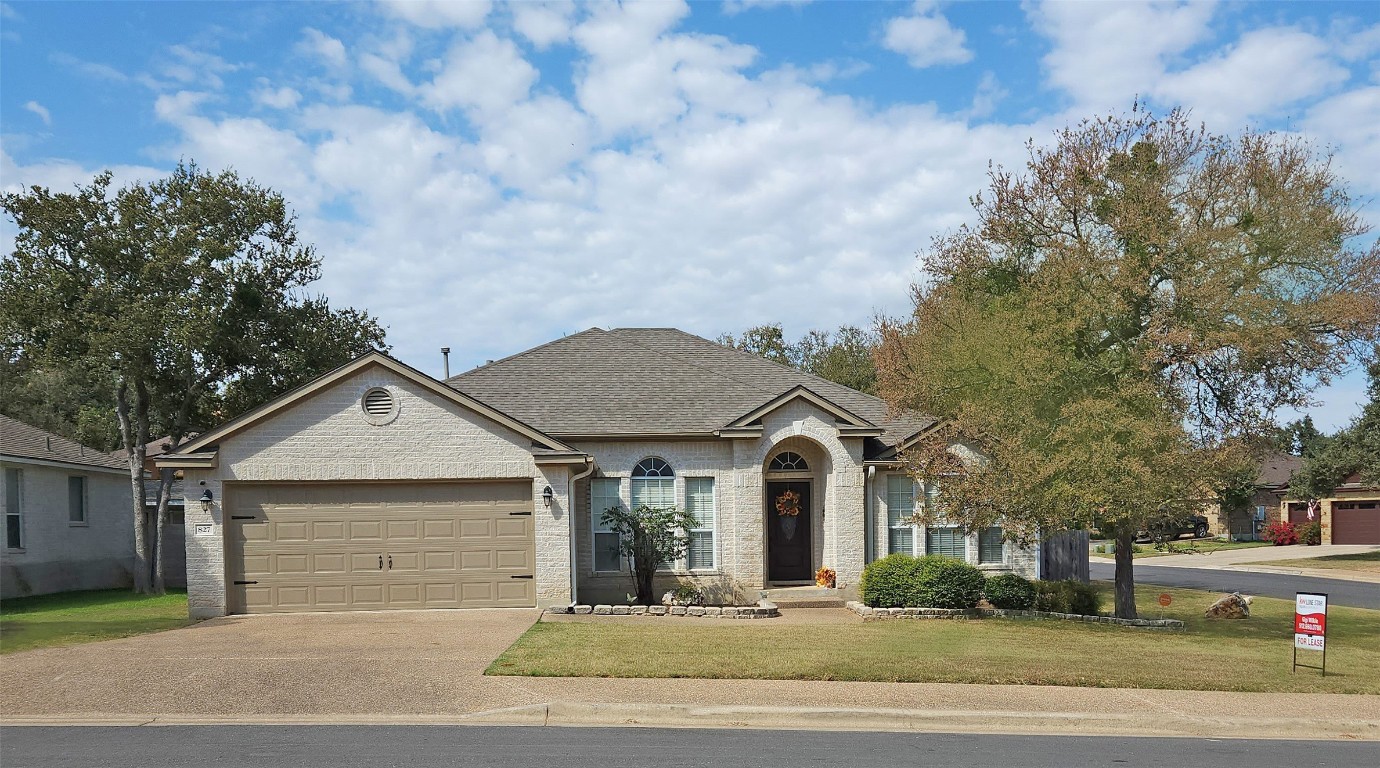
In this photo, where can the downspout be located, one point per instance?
(574, 540)
(869, 528)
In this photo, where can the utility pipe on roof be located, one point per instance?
(574, 540)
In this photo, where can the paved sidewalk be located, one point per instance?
(1258, 560)
(427, 667)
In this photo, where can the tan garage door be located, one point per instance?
(1355, 522)
(372, 546)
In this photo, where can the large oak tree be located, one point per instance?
(1127, 313)
(184, 296)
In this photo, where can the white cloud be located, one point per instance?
(276, 98)
(926, 38)
(989, 93)
(1267, 69)
(439, 14)
(544, 23)
(322, 46)
(91, 69)
(1350, 123)
(386, 71)
(735, 7)
(40, 110)
(1104, 54)
(485, 75)
(191, 67)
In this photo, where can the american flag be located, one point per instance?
(1312, 509)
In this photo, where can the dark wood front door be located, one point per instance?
(788, 536)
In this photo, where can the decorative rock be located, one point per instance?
(694, 610)
(657, 610)
(584, 609)
(603, 610)
(677, 610)
(712, 610)
(729, 610)
(620, 610)
(1233, 606)
(638, 610)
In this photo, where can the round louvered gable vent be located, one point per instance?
(379, 406)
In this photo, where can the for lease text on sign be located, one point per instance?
(1310, 621)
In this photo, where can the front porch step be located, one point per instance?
(808, 597)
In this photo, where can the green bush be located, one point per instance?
(1010, 592)
(949, 583)
(902, 581)
(890, 582)
(1310, 534)
(1068, 597)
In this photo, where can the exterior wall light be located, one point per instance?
(206, 499)
(546, 496)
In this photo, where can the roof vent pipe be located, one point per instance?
(445, 361)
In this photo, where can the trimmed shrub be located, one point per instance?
(1068, 597)
(1281, 533)
(891, 582)
(1010, 592)
(902, 581)
(949, 583)
(1310, 533)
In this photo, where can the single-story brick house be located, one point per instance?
(1276, 470)
(68, 511)
(377, 486)
(1350, 515)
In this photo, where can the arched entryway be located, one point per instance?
(794, 474)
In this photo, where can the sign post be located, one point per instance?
(1310, 627)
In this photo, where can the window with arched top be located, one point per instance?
(653, 484)
(788, 461)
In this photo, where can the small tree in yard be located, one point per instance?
(650, 536)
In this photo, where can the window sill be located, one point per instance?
(74, 524)
(14, 550)
(993, 566)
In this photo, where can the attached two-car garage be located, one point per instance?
(372, 546)
(1356, 522)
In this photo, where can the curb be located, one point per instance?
(571, 714)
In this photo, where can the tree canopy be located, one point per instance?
(1354, 452)
(843, 356)
(182, 298)
(1123, 320)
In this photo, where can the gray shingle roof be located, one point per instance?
(1277, 469)
(647, 381)
(23, 441)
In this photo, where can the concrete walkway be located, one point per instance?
(1259, 559)
(427, 667)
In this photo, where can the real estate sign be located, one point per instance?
(1310, 625)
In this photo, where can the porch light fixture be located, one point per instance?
(206, 499)
(546, 496)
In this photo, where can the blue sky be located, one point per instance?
(490, 176)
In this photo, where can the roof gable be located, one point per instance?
(208, 440)
(801, 392)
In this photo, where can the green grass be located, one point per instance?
(1368, 562)
(81, 617)
(1232, 655)
(1187, 546)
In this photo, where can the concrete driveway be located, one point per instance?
(401, 662)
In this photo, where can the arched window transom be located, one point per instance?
(653, 484)
(653, 467)
(788, 461)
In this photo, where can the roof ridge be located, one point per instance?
(694, 364)
(523, 353)
(84, 451)
(782, 366)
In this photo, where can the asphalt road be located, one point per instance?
(340, 746)
(1356, 594)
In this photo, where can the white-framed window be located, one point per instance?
(603, 495)
(946, 541)
(900, 506)
(1260, 512)
(653, 484)
(991, 546)
(76, 500)
(699, 501)
(788, 461)
(14, 508)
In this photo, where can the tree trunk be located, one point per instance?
(644, 567)
(134, 450)
(165, 478)
(1125, 580)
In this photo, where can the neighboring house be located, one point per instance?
(68, 514)
(1276, 469)
(377, 486)
(1351, 515)
(174, 534)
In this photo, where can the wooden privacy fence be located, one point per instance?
(1065, 556)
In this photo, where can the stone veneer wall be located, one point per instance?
(327, 438)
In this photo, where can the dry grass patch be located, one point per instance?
(1250, 655)
(1367, 562)
(68, 618)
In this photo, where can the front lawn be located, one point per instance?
(1368, 562)
(1249, 655)
(82, 617)
(1182, 547)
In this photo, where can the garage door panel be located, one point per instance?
(1356, 522)
(320, 547)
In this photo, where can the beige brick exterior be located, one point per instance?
(325, 437)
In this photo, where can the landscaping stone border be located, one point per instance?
(875, 614)
(763, 610)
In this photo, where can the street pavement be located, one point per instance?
(521, 747)
(1355, 594)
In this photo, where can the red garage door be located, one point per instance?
(1356, 522)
